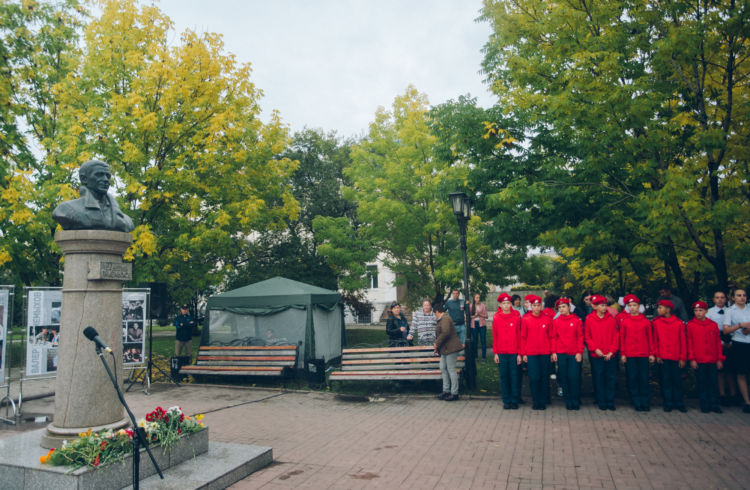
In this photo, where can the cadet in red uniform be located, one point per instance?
(637, 351)
(536, 348)
(568, 352)
(671, 354)
(704, 353)
(602, 340)
(506, 339)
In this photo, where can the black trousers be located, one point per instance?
(671, 384)
(539, 379)
(604, 374)
(637, 371)
(708, 385)
(508, 369)
(569, 377)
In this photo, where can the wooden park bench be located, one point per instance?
(269, 360)
(390, 363)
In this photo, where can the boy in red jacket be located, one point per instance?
(704, 353)
(536, 348)
(506, 338)
(671, 353)
(602, 340)
(637, 351)
(568, 353)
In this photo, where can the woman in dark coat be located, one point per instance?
(397, 327)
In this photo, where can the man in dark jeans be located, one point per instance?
(455, 309)
(184, 324)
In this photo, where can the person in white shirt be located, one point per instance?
(727, 382)
(737, 323)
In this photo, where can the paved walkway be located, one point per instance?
(324, 441)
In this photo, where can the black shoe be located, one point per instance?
(717, 410)
(705, 410)
(506, 406)
(638, 409)
(746, 408)
(611, 407)
(667, 409)
(646, 409)
(451, 398)
(682, 409)
(514, 406)
(602, 407)
(443, 395)
(724, 401)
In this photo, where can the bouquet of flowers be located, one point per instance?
(97, 448)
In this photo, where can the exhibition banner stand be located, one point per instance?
(6, 319)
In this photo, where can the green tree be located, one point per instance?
(38, 50)
(178, 123)
(401, 188)
(635, 117)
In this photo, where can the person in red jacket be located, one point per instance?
(671, 354)
(536, 348)
(568, 352)
(704, 353)
(602, 340)
(637, 351)
(506, 339)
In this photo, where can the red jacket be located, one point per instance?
(620, 316)
(636, 336)
(703, 341)
(669, 334)
(567, 335)
(536, 335)
(506, 332)
(601, 333)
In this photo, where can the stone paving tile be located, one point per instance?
(320, 441)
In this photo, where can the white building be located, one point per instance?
(381, 292)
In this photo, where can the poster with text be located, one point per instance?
(133, 326)
(43, 331)
(4, 320)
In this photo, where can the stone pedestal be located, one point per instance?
(91, 296)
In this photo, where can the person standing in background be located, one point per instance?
(506, 338)
(184, 324)
(737, 323)
(727, 383)
(423, 323)
(603, 341)
(671, 354)
(479, 326)
(448, 345)
(455, 309)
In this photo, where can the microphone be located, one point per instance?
(93, 335)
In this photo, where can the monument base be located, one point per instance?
(54, 436)
(194, 462)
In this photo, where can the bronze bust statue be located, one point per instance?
(95, 209)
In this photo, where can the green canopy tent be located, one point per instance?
(278, 311)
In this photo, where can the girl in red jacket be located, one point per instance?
(637, 351)
(568, 352)
(602, 340)
(506, 339)
(671, 353)
(536, 348)
(704, 353)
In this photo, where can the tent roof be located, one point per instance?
(274, 292)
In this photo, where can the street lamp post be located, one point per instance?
(462, 209)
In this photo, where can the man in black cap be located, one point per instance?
(184, 324)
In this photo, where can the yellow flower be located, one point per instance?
(202, 424)
(199, 417)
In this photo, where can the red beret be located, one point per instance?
(631, 298)
(667, 303)
(504, 297)
(700, 304)
(562, 301)
(533, 298)
(598, 300)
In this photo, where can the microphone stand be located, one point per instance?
(139, 433)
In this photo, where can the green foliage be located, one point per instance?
(635, 130)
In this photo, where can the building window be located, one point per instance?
(372, 276)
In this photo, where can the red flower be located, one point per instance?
(96, 461)
(103, 445)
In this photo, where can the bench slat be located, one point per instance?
(249, 347)
(246, 358)
(232, 368)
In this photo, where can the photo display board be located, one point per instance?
(4, 326)
(134, 308)
(43, 328)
